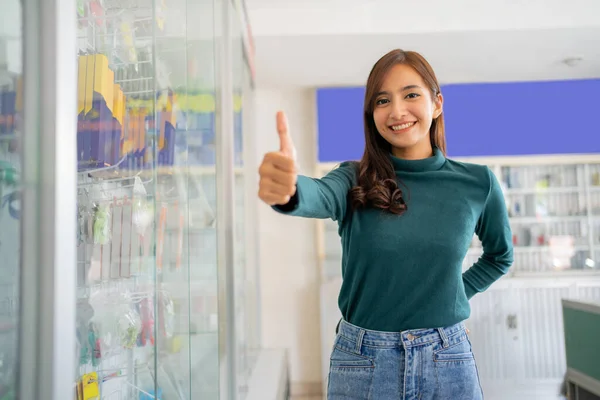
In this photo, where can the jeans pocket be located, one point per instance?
(456, 373)
(458, 353)
(457, 380)
(350, 376)
(454, 357)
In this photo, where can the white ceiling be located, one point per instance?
(335, 43)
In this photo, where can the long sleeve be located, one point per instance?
(493, 229)
(322, 198)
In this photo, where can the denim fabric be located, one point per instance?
(420, 364)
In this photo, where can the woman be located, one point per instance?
(406, 217)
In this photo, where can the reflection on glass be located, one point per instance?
(172, 199)
(202, 197)
(245, 297)
(146, 312)
(11, 93)
(240, 211)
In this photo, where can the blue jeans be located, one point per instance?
(420, 364)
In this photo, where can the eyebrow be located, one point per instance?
(403, 89)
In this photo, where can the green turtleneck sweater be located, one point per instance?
(405, 272)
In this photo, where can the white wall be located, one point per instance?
(288, 255)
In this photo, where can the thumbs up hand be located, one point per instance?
(278, 172)
(286, 146)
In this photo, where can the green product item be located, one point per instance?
(101, 225)
(129, 326)
(8, 174)
(81, 8)
(94, 341)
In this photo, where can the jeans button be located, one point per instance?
(410, 337)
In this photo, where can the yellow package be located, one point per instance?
(175, 344)
(81, 80)
(90, 386)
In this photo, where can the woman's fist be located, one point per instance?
(278, 172)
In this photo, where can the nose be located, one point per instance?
(398, 110)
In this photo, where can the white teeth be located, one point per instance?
(403, 126)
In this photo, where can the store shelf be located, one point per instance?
(112, 173)
(577, 274)
(528, 249)
(544, 191)
(547, 219)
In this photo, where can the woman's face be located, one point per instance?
(404, 111)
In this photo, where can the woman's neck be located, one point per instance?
(413, 153)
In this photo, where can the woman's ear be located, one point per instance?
(438, 104)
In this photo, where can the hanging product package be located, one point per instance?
(94, 343)
(143, 210)
(80, 225)
(146, 310)
(85, 222)
(101, 224)
(90, 387)
(85, 313)
(129, 326)
(166, 314)
(104, 337)
(9, 178)
(127, 30)
(101, 216)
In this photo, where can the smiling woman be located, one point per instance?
(402, 116)
(403, 297)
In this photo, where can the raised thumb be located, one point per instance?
(286, 145)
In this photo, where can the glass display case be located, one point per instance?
(149, 116)
(121, 289)
(140, 331)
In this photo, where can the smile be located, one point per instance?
(402, 126)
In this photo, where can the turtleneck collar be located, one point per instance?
(432, 163)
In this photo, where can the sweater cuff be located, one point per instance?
(469, 290)
(290, 205)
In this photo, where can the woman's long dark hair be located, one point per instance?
(377, 186)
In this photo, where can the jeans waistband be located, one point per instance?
(409, 338)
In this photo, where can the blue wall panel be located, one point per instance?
(525, 118)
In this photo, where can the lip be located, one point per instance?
(402, 123)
